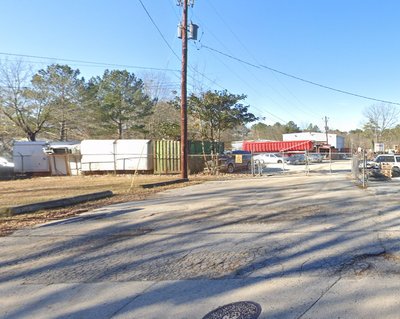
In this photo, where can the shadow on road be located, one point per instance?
(238, 235)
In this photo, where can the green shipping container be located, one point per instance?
(196, 147)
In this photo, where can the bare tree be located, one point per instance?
(380, 118)
(164, 122)
(158, 86)
(18, 101)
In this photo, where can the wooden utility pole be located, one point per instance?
(183, 33)
(184, 141)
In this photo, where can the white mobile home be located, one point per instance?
(116, 155)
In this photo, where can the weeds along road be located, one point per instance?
(300, 246)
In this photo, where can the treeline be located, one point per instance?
(56, 103)
(262, 131)
(381, 125)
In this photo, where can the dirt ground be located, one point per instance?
(124, 187)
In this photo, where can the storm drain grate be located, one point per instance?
(236, 310)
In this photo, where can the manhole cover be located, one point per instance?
(236, 310)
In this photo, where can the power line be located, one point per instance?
(250, 64)
(230, 56)
(328, 87)
(247, 84)
(158, 29)
(253, 57)
(240, 78)
(302, 109)
(160, 85)
(305, 108)
(231, 31)
(230, 69)
(169, 46)
(298, 78)
(87, 62)
(179, 17)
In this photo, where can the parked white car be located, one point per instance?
(268, 158)
(392, 159)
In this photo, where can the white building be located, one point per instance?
(333, 139)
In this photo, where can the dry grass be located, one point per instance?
(125, 188)
(26, 191)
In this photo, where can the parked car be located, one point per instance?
(368, 164)
(5, 163)
(392, 159)
(232, 161)
(265, 158)
(6, 168)
(297, 159)
(315, 158)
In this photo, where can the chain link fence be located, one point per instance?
(281, 163)
(360, 169)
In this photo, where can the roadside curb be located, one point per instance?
(175, 181)
(16, 210)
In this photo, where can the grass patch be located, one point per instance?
(124, 187)
(28, 191)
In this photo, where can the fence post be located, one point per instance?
(307, 164)
(115, 156)
(363, 169)
(253, 169)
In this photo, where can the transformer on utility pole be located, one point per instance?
(183, 33)
(193, 28)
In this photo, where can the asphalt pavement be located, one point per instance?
(299, 246)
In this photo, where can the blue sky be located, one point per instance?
(350, 45)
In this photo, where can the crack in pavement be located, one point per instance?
(319, 298)
(130, 301)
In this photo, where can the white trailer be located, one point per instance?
(29, 157)
(46, 158)
(116, 155)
